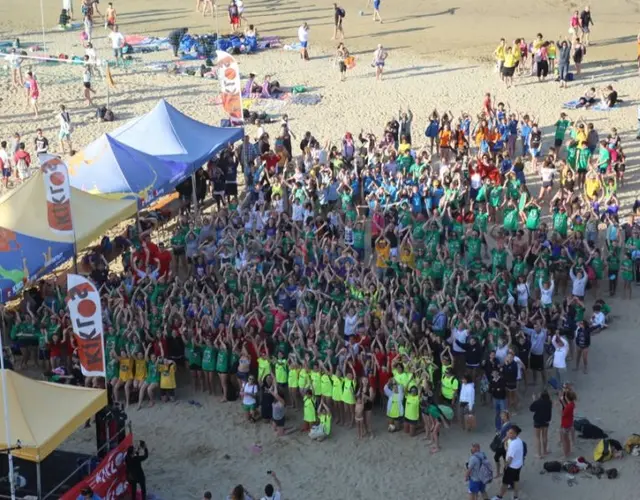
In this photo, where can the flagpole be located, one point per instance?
(106, 77)
(44, 43)
(7, 428)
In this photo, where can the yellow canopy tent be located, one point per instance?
(42, 415)
(24, 210)
(31, 248)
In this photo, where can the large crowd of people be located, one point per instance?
(382, 273)
(429, 280)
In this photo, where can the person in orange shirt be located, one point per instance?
(444, 141)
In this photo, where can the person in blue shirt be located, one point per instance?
(88, 494)
(512, 125)
(525, 132)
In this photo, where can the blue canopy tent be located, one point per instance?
(112, 169)
(166, 133)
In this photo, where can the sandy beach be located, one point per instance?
(439, 57)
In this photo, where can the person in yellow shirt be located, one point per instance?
(125, 378)
(383, 251)
(140, 374)
(509, 67)
(167, 371)
(499, 55)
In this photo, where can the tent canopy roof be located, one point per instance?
(30, 248)
(24, 210)
(42, 415)
(108, 167)
(167, 133)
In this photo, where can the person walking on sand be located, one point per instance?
(33, 92)
(473, 475)
(110, 17)
(338, 17)
(513, 464)
(15, 61)
(585, 22)
(303, 37)
(376, 11)
(86, 82)
(117, 44)
(64, 134)
(379, 57)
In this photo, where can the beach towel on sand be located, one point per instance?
(598, 106)
(293, 46)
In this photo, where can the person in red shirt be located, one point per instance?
(22, 161)
(163, 257)
(566, 423)
(55, 350)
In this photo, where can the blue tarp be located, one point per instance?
(110, 168)
(166, 133)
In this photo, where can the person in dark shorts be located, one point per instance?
(514, 463)
(541, 408)
(338, 17)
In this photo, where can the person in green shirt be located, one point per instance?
(561, 129)
(561, 222)
(626, 271)
(572, 153)
(604, 158)
(358, 240)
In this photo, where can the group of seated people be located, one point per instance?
(268, 89)
(607, 95)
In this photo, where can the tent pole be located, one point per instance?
(194, 196)
(39, 480)
(7, 429)
(108, 86)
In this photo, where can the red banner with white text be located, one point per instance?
(109, 480)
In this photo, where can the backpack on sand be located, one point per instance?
(632, 442)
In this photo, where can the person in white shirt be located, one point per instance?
(598, 320)
(5, 163)
(117, 43)
(249, 395)
(271, 493)
(513, 463)
(15, 61)
(579, 280)
(303, 37)
(92, 60)
(561, 346)
(546, 292)
(467, 403)
(350, 322)
(547, 173)
(64, 135)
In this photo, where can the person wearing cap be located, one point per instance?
(88, 494)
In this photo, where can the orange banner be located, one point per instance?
(58, 192)
(83, 301)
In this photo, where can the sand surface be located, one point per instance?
(438, 58)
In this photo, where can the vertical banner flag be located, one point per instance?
(83, 301)
(58, 192)
(229, 77)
